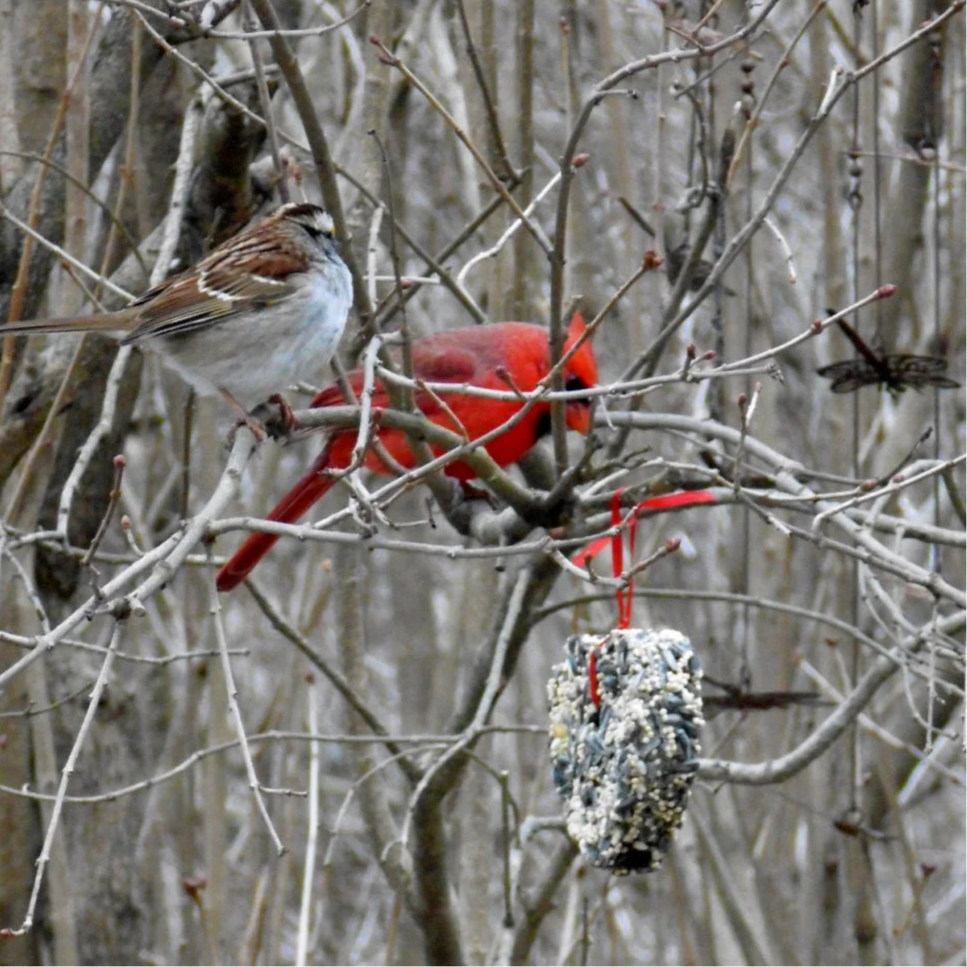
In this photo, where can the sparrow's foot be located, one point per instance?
(277, 417)
(243, 418)
(286, 413)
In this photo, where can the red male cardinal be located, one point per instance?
(483, 356)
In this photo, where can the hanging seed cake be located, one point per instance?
(625, 768)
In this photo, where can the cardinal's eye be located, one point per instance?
(573, 383)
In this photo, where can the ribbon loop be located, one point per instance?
(624, 595)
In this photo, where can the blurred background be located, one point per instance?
(783, 160)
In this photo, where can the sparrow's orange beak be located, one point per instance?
(579, 416)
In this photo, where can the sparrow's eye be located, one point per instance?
(315, 230)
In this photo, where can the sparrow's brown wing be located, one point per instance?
(247, 272)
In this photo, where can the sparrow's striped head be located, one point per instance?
(315, 221)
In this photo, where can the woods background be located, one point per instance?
(809, 153)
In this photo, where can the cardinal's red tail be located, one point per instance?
(293, 505)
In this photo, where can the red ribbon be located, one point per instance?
(625, 595)
(687, 498)
(593, 676)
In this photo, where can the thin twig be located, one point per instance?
(19, 289)
(509, 232)
(109, 213)
(489, 108)
(484, 706)
(318, 145)
(113, 497)
(393, 61)
(782, 767)
(335, 677)
(233, 707)
(66, 773)
(435, 263)
(312, 828)
(266, 103)
(61, 253)
(293, 32)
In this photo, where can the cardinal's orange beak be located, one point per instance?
(579, 416)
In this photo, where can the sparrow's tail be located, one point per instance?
(107, 321)
(293, 505)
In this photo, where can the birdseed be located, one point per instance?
(625, 769)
